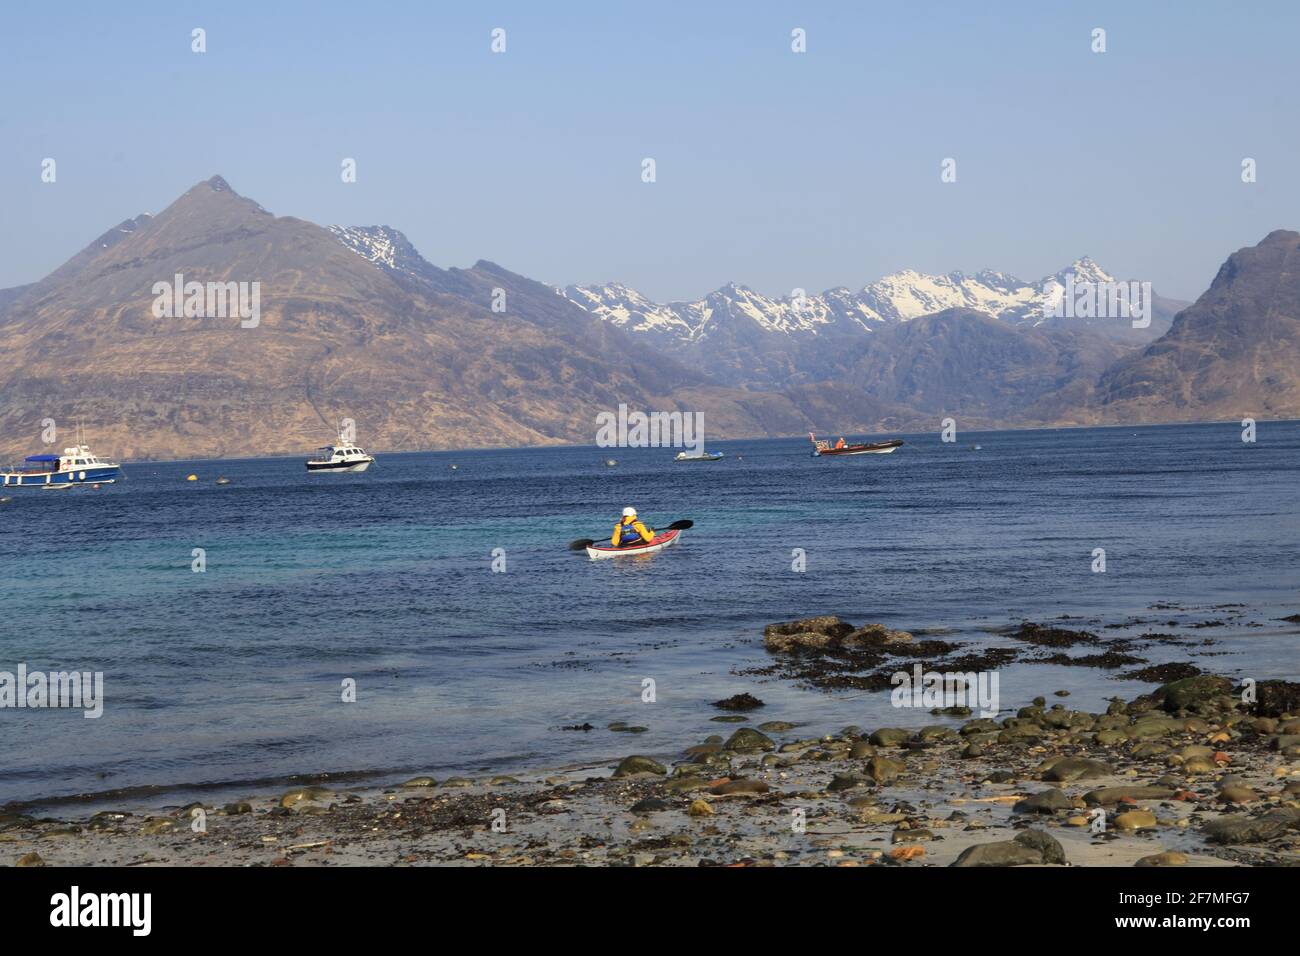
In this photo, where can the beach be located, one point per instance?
(1189, 775)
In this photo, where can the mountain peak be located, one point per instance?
(1280, 235)
(210, 202)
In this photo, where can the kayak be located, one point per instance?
(657, 543)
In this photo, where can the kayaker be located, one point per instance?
(629, 531)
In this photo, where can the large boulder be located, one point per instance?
(1030, 848)
(812, 632)
(1046, 801)
(636, 765)
(747, 740)
(1192, 693)
(1240, 829)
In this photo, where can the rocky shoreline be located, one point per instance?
(1200, 772)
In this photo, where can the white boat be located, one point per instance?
(342, 456)
(702, 456)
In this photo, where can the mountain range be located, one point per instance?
(355, 323)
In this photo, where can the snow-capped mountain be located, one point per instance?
(898, 297)
(750, 338)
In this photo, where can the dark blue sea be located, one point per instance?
(232, 677)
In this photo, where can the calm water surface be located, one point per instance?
(234, 675)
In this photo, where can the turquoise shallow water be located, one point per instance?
(234, 674)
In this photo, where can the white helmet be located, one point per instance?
(629, 512)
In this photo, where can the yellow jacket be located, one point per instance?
(647, 534)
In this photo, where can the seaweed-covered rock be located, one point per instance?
(811, 632)
(1192, 692)
(1276, 698)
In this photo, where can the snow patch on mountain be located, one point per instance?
(381, 245)
(898, 297)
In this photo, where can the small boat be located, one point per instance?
(342, 456)
(822, 447)
(703, 456)
(223, 480)
(77, 465)
(657, 543)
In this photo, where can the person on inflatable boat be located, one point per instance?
(629, 531)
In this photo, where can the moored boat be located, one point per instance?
(823, 447)
(77, 465)
(703, 456)
(342, 456)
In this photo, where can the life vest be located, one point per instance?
(628, 534)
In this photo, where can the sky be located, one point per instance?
(774, 169)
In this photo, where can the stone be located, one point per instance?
(1106, 796)
(1076, 768)
(1046, 801)
(861, 749)
(1237, 793)
(420, 782)
(1192, 692)
(1135, 820)
(891, 737)
(748, 740)
(743, 785)
(1167, 858)
(700, 808)
(738, 702)
(636, 765)
(30, 859)
(1030, 848)
(1237, 829)
(885, 769)
(844, 781)
(298, 795)
(1047, 845)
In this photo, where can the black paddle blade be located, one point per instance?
(581, 544)
(682, 525)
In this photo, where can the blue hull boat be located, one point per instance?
(76, 466)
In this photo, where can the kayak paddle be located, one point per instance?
(682, 525)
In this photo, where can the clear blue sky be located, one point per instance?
(774, 169)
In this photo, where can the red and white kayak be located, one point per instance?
(657, 543)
